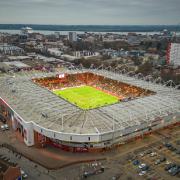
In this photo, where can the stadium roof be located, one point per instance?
(39, 105)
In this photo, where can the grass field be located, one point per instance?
(86, 97)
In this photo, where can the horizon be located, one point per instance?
(90, 24)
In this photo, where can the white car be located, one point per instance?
(153, 154)
(142, 173)
(168, 162)
(23, 174)
(4, 127)
(141, 154)
(142, 166)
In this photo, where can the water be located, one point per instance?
(94, 28)
(78, 32)
(64, 29)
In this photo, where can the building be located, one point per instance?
(7, 49)
(84, 53)
(57, 35)
(16, 65)
(72, 36)
(26, 30)
(133, 39)
(9, 171)
(55, 52)
(173, 54)
(41, 117)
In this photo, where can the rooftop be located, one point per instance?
(39, 105)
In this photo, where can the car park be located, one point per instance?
(160, 153)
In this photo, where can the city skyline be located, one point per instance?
(94, 12)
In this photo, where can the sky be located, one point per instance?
(90, 12)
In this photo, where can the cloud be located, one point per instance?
(90, 11)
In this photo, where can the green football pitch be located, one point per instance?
(86, 97)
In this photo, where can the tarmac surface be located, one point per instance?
(52, 163)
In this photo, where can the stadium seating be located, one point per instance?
(117, 88)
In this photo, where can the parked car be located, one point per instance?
(149, 151)
(169, 166)
(153, 154)
(23, 174)
(157, 162)
(136, 162)
(178, 142)
(167, 162)
(142, 154)
(4, 127)
(93, 172)
(174, 170)
(142, 173)
(167, 145)
(177, 151)
(145, 168)
(172, 148)
(142, 165)
(162, 159)
(2, 119)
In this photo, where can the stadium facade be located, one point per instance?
(42, 118)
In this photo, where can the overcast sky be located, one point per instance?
(86, 12)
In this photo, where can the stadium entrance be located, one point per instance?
(40, 140)
(20, 129)
(67, 146)
(5, 113)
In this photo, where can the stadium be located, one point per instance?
(85, 110)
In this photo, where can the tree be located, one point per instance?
(145, 68)
(105, 57)
(137, 61)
